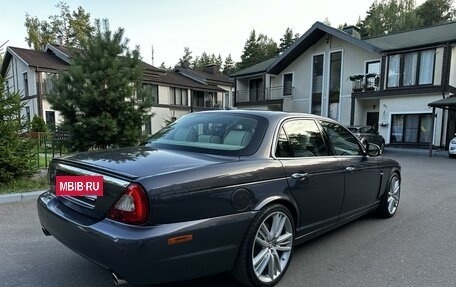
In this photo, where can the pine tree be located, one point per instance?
(389, 16)
(229, 66)
(434, 12)
(15, 151)
(164, 67)
(101, 97)
(186, 60)
(257, 49)
(287, 40)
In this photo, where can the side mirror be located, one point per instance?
(373, 150)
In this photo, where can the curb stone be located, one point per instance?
(23, 196)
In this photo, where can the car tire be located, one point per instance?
(265, 254)
(451, 155)
(390, 199)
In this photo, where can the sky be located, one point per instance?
(211, 26)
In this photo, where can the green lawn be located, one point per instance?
(36, 182)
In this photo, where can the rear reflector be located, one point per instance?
(180, 239)
(132, 207)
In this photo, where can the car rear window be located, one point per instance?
(214, 133)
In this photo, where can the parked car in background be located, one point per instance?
(368, 134)
(219, 191)
(452, 148)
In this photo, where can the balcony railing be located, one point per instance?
(364, 83)
(261, 95)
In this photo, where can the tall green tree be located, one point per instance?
(389, 16)
(434, 12)
(15, 151)
(257, 49)
(201, 62)
(229, 66)
(186, 60)
(101, 97)
(72, 27)
(164, 67)
(287, 39)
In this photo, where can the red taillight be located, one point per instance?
(132, 207)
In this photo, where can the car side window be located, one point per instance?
(343, 142)
(300, 138)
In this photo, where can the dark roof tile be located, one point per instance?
(416, 38)
(39, 59)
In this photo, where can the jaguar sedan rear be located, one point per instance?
(218, 191)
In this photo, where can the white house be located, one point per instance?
(386, 82)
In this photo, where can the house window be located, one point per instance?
(27, 115)
(7, 87)
(153, 92)
(317, 83)
(373, 67)
(287, 84)
(426, 67)
(394, 64)
(334, 84)
(178, 97)
(372, 75)
(50, 119)
(26, 89)
(408, 69)
(411, 128)
(47, 82)
(198, 99)
(148, 126)
(256, 90)
(209, 100)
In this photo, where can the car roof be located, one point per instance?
(271, 115)
(358, 127)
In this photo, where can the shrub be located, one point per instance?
(38, 124)
(15, 151)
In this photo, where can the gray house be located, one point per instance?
(174, 93)
(386, 82)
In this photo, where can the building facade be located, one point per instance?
(385, 82)
(174, 93)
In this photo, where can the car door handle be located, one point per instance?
(299, 176)
(349, 168)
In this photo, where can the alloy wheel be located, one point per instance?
(272, 247)
(393, 195)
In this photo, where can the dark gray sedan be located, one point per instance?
(367, 134)
(218, 191)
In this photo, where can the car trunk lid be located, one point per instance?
(119, 168)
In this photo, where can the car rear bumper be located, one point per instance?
(142, 255)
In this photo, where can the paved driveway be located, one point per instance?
(415, 248)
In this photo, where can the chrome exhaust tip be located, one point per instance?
(45, 231)
(118, 281)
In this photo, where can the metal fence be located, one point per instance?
(46, 146)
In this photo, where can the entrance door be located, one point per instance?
(372, 120)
